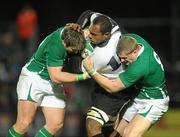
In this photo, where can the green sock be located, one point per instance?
(43, 133)
(13, 133)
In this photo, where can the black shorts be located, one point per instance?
(110, 103)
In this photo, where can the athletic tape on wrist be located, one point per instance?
(80, 77)
(92, 72)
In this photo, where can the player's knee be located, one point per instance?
(131, 133)
(93, 126)
(97, 115)
(55, 126)
(94, 121)
(23, 124)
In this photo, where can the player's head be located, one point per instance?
(73, 40)
(127, 49)
(100, 29)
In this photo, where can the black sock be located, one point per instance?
(118, 134)
(99, 135)
(115, 133)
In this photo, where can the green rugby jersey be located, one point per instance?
(88, 49)
(146, 72)
(50, 52)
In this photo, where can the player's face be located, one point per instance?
(95, 34)
(127, 58)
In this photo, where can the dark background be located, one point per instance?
(55, 13)
(153, 19)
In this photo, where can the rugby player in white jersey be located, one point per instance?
(103, 34)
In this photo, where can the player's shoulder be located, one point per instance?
(56, 33)
(113, 41)
(116, 35)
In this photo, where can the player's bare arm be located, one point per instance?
(58, 76)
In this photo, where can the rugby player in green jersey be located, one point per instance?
(41, 82)
(143, 68)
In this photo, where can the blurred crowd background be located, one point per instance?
(24, 23)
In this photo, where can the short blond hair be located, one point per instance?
(73, 38)
(126, 44)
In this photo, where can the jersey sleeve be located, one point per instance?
(55, 54)
(87, 50)
(84, 18)
(133, 73)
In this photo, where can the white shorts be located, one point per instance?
(32, 87)
(153, 110)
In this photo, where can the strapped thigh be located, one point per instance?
(98, 115)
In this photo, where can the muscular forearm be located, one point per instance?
(110, 86)
(64, 77)
(58, 76)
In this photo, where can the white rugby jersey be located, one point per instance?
(105, 58)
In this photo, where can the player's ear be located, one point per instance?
(107, 34)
